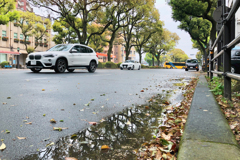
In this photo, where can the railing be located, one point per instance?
(224, 48)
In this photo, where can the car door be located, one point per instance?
(74, 56)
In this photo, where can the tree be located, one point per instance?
(138, 14)
(79, 14)
(161, 44)
(7, 12)
(65, 33)
(32, 25)
(145, 30)
(178, 55)
(199, 57)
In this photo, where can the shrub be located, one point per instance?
(111, 65)
(118, 64)
(101, 65)
(4, 63)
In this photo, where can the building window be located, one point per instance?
(27, 38)
(15, 36)
(21, 36)
(3, 57)
(4, 33)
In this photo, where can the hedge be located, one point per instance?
(4, 63)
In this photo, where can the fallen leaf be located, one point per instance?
(105, 147)
(82, 110)
(7, 131)
(21, 137)
(4, 103)
(43, 89)
(142, 91)
(50, 144)
(44, 114)
(8, 97)
(93, 123)
(70, 158)
(29, 123)
(3, 146)
(205, 110)
(53, 121)
(59, 128)
(92, 99)
(73, 136)
(74, 104)
(61, 121)
(128, 123)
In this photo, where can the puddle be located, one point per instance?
(123, 132)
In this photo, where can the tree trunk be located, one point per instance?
(111, 46)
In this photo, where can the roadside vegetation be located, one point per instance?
(231, 109)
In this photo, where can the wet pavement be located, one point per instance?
(109, 92)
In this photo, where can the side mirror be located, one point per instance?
(73, 51)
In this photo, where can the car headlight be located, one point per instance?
(48, 55)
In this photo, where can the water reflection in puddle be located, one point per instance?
(124, 133)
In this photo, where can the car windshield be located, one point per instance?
(129, 61)
(192, 61)
(62, 47)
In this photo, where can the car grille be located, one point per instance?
(37, 57)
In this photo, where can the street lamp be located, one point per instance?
(18, 49)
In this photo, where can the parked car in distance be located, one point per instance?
(145, 64)
(130, 64)
(192, 64)
(235, 60)
(63, 57)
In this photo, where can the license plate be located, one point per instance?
(191, 67)
(33, 62)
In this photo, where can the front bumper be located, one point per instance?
(192, 67)
(125, 66)
(40, 65)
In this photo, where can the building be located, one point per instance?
(10, 48)
(237, 18)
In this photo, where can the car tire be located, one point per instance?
(139, 68)
(186, 69)
(121, 68)
(233, 70)
(197, 70)
(70, 70)
(129, 68)
(61, 66)
(183, 67)
(132, 67)
(36, 70)
(92, 67)
(171, 67)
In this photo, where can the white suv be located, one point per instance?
(62, 57)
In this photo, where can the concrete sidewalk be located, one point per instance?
(207, 135)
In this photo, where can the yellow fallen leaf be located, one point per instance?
(205, 110)
(2, 147)
(53, 121)
(43, 89)
(29, 123)
(21, 137)
(105, 147)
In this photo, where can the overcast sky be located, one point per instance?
(185, 42)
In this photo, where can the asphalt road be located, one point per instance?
(76, 98)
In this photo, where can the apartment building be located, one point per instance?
(237, 18)
(10, 47)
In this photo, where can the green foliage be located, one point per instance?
(178, 55)
(32, 25)
(111, 65)
(4, 63)
(7, 12)
(101, 65)
(118, 64)
(217, 86)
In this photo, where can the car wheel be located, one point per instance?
(183, 67)
(70, 70)
(197, 70)
(186, 69)
(92, 67)
(171, 68)
(139, 68)
(133, 68)
(233, 70)
(129, 68)
(36, 70)
(121, 68)
(61, 66)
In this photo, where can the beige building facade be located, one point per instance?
(11, 40)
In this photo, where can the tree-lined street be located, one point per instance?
(76, 98)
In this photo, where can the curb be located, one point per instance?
(207, 134)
